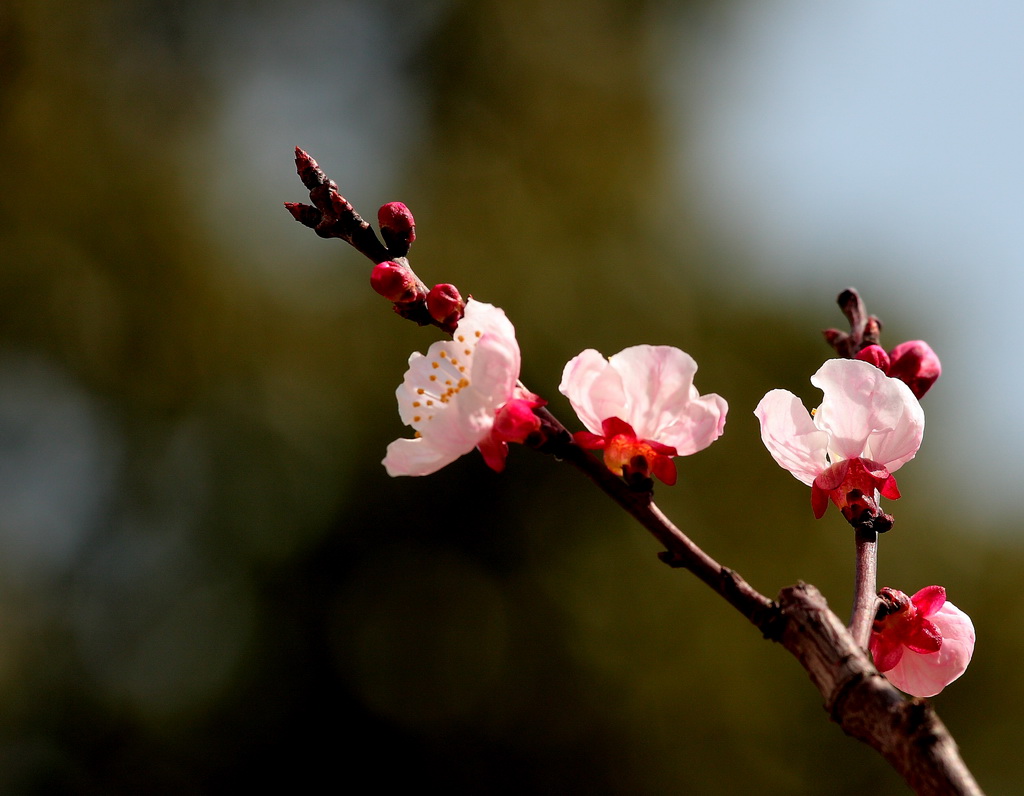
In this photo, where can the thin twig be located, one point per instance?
(865, 586)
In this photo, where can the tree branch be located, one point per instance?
(906, 732)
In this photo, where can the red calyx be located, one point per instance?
(851, 484)
(635, 459)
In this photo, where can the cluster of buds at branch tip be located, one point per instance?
(913, 362)
(331, 215)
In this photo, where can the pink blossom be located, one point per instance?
(867, 427)
(462, 395)
(921, 643)
(641, 408)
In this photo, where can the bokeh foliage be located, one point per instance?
(206, 577)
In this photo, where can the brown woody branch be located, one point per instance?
(906, 732)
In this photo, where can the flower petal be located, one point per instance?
(791, 436)
(658, 385)
(593, 388)
(451, 395)
(651, 389)
(867, 414)
(418, 457)
(929, 600)
(699, 423)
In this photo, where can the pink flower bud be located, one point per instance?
(916, 364)
(921, 643)
(876, 355)
(445, 305)
(395, 282)
(398, 228)
(515, 421)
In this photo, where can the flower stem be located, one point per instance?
(865, 586)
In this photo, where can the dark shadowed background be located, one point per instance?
(206, 578)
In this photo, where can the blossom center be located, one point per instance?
(634, 458)
(447, 374)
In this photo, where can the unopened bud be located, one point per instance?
(876, 355)
(445, 305)
(515, 421)
(397, 227)
(838, 340)
(395, 282)
(915, 363)
(309, 170)
(304, 214)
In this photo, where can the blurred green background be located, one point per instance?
(206, 578)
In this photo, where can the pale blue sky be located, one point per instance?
(880, 144)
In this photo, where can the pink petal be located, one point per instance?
(450, 396)
(791, 436)
(593, 388)
(657, 383)
(699, 423)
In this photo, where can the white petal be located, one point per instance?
(450, 395)
(417, 457)
(868, 414)
(791, 436)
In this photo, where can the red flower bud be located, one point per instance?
(445, 305)
(395, 282)
(876, 355)
(397, 227)
(915, 363)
